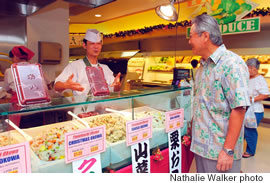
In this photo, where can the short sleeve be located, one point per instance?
(235, 84)
(262, 86)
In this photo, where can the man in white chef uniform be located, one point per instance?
(74, 76)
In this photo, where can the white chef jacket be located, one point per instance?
(258, 86)
(78, 69)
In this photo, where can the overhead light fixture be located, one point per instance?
(167, 12)
(97, 15)
(129, 53)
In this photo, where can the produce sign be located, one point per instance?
(138, 130)
(15, 158)
(84, 143)
(242, 26)
(228, 14)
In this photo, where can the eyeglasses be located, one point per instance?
(199, 34)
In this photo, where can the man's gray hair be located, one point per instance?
(206, 23)
(253, 62)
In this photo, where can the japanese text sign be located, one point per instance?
(15, 158)
(175, 151)
(174, 119)
(84, 143)
(138, 130)
(31, 81)
(88, 165)
(141, 157)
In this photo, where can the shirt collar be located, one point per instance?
(215, 57)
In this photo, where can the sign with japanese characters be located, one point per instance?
(138, 130)
(174, 119)
(15, 158)
(140, 153)
(29, 84)
(175, 151)
(88, 165)
(84, 143)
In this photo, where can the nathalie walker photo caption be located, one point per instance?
(216, 177)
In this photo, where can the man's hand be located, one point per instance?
(69, 84)
(237, 115)
(116, 83)
(224, 162)
(73, 85)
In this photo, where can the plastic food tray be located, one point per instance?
(58, 166)
(29, 83)
(98, 84)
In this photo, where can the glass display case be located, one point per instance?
(39, 122)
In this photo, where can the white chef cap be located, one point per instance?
(93, 35)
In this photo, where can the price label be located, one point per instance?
(84, 143)
(138, 130)
(174, 120)
(94, 148)
(77, 153)
(15, 158)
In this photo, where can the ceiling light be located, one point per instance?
(167, 12)
(129, 53)
(97, 15)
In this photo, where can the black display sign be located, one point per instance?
(180, 74)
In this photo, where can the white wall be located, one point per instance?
(50, 24)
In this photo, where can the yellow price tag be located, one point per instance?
(134, 138)
(171, 126)
(178, 124)
(13, 171)
(77, 153)
(94, 148)
(145, 134)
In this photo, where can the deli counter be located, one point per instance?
(47, 140)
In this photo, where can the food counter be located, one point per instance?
(47, 141)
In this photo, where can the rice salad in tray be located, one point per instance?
(50, 145)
